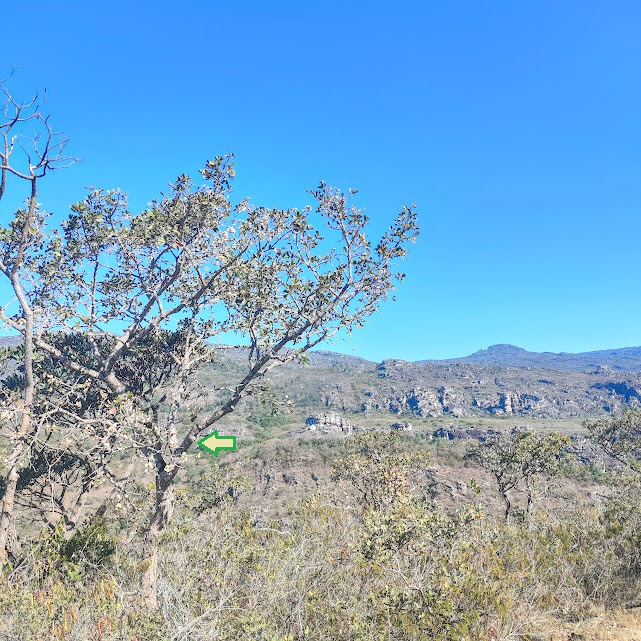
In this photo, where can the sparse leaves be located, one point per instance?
(117, 309)
(519, 456)
(620, 437)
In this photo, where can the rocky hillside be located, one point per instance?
(502, 380)
(465, 388)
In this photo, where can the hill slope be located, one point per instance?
(467, 387)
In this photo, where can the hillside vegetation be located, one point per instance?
(376, 535)
(394, 501)
(266, 545)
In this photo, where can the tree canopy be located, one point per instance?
(117, 310)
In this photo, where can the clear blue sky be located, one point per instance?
(514, 126)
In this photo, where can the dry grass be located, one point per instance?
(301, 560)
(617, 625)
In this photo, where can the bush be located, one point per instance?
(89, 550)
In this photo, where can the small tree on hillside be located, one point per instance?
(378, 467)
(619, 436)
(519, 457)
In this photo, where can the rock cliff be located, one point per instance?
(460, 389)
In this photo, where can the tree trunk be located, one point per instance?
(24, 433)
(8, 502)
(508, 505)
(530, 498)
(150, 578)
(165, 503)
(26, 423)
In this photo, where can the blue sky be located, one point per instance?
(514, 126)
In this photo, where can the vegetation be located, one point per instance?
(620, 437)
(373, 557)
(138, 537)
(520, 457)
(118, 310)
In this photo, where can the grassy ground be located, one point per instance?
(618, 625)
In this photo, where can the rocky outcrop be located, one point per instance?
(331, 386)
(329, 423)
(401, 427)
(456, 432)
(466, 390)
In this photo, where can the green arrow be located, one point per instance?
(213, 443)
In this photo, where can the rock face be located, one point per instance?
(331, 385)
(401, 427)
(455, 432)
(465, 390)
(330, 423)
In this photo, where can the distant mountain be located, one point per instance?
(10, 341)
(625, 359)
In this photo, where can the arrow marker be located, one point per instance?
(213, 443)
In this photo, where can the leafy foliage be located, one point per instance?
(378, 466)
(519, 456)
(126, 307)
(620, 437)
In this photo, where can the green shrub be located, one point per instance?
(90, 549)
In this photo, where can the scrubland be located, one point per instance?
(354, 539)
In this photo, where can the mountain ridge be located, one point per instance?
(622, 359)
(506, 355)
(503, 380)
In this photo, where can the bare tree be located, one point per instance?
(29, 150)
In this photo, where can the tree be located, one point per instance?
(29, 150)
(378, 466)
(129, 306)
(520, 456)
(619, 436)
